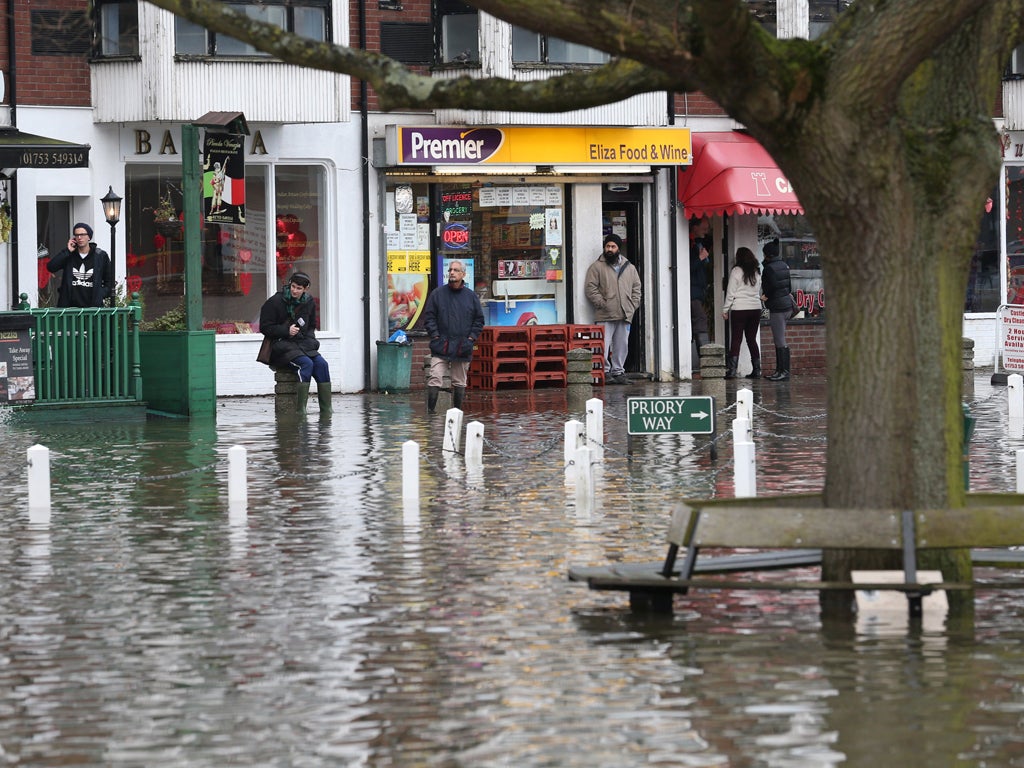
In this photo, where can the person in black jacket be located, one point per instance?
(87, 277)
(454, 318)
(699, 256)
(289, 318)
(776, 292)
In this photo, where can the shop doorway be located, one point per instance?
(621, 215)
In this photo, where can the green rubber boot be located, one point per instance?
(323, 396)
(302, 397)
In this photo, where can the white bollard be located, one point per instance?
(1020, 470)
(575, 436)
(238, 492)
(474, 444)
(39, 484)
(595, 428)
(742, 431)
(745, 405)
(744, 461)
(584, 479)
(1015, 395)
(411, 471)
(452, 430)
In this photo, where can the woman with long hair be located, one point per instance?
(742, 309)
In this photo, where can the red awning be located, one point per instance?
(731, 173)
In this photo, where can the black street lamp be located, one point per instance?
(112, 212)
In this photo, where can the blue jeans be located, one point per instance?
(312, 368)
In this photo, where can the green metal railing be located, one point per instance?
(87, 355)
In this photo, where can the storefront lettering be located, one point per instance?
(446, 149)
(144, 143)
(806, 300)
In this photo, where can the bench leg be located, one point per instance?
(915, 605)
(650, 602)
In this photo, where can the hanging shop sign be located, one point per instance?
(224, 178)
(548, 145)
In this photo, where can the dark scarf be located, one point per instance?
(292, 304)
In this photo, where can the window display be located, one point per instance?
(799, 248)
(509, 236)
(235, 269)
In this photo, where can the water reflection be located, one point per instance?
(332, 623)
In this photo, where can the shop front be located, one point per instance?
(273, 211)
(525, 209)
(736, 182)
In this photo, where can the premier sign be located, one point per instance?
(530, 145)
(670, 415)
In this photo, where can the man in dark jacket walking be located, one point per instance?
(454, 318)
(87, 273)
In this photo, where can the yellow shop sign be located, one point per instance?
(549, 145)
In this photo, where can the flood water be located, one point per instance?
(335, 626)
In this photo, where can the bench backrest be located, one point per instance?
(984, 526)
(786, 527)
(820, 528)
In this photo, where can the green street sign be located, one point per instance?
(670, 415)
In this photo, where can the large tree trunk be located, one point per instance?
(897, 267)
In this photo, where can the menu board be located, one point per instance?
(17, 377)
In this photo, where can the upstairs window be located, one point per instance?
(530, 47)
(117, 28)
(310, 19)
(457, 33)
(824, 14)
(766, 14)
(1015, 69)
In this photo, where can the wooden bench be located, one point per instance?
(797, 533)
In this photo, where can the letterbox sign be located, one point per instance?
(549, 145)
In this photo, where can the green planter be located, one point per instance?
(179, 372)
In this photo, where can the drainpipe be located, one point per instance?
(673, 190)
(12, 184)
(364, 147)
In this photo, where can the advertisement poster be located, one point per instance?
(408, 280)
(17, 378)
(223, 179)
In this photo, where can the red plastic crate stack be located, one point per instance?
(548, 345)
(589, 337)
(501, 358)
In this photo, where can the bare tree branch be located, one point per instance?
(399, 87)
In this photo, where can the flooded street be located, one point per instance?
(333, 626)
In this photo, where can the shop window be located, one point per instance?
(407, 233)
(241, 263)
(530, 47)
(309, 18)
(510, 237)
(458, 32)
(1015, 234)
(983, 294)
(117, 28)
(799, 247)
